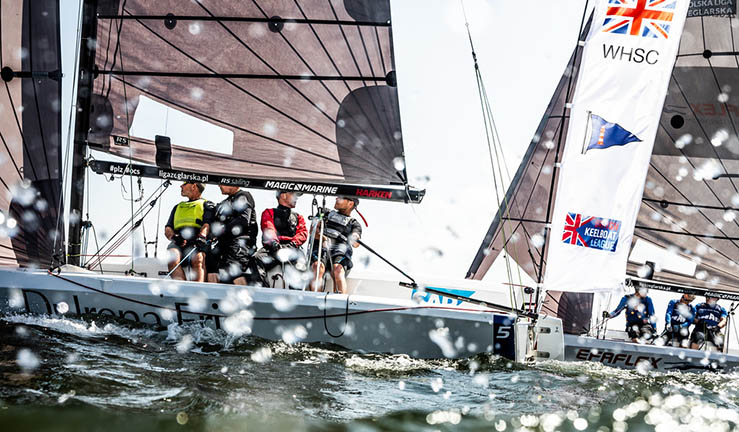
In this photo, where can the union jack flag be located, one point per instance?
(573, 221)
(645, 18)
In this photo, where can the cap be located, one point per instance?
(200, 186)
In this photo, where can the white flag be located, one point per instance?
(625, 70)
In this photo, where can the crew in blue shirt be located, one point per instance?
(678, 318)
(710, 318)
(640, 319)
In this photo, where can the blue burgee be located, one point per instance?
(605, 134)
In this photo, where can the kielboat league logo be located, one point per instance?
(644, 18)
(591, 232)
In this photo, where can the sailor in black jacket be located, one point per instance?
(341, 232)
(234, 231)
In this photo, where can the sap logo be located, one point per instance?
(638, 55)
(422, 296)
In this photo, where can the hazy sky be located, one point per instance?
(522, 47)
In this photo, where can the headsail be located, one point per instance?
(284, 90)
(30, 131)
(692, 218)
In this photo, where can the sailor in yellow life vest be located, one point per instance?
(187, 228)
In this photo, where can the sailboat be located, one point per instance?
(674, 203)
(268, 95)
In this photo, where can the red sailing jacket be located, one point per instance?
(270, 231)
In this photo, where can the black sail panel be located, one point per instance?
(30, 131)
(685, 209)
(292, 90)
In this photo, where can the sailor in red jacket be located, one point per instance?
(283, 233)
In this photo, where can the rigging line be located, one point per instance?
(702, 214)
(379, 49)
(217, 75)
(119, 28)
(138, 212)
(20, 129)
(498, 158)
(673, 203)
(243, 90)
(333, 63)
(559, 141)
(35, 93)
(285, 77)
(231, 125)
(241, 19)
(700, 125)
(686, 233)
(10, 154)
(488, 136)
(107, 55)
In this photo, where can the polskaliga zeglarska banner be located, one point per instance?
(625, 70)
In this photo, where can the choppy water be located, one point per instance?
(70, 374)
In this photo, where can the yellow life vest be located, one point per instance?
(189, 214)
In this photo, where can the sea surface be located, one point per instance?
(72, 374)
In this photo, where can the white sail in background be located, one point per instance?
(627, 61)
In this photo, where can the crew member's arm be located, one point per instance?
(691, 318)
(209, 211)
(269, 232)
(301, 233)
(356, 233)
(650, 310)
(724, 318)
(169, 227)
(621, 306)
(668, 314)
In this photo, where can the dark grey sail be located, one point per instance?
(289, 90)
(30, 131)
(684, 208)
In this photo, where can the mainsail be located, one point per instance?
(288, 90)
(684, 209)
(30, 132)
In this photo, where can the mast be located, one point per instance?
(82, 125)
(550, 199)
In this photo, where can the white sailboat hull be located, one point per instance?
(630, 355)
(356, 322)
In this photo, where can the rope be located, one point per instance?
(499, 180)
(346, 317)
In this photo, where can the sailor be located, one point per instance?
(678, 318)
(710, 318)
(640, 319)
(341, 234)
(188, 228)
(283, 233)
(234, 230)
